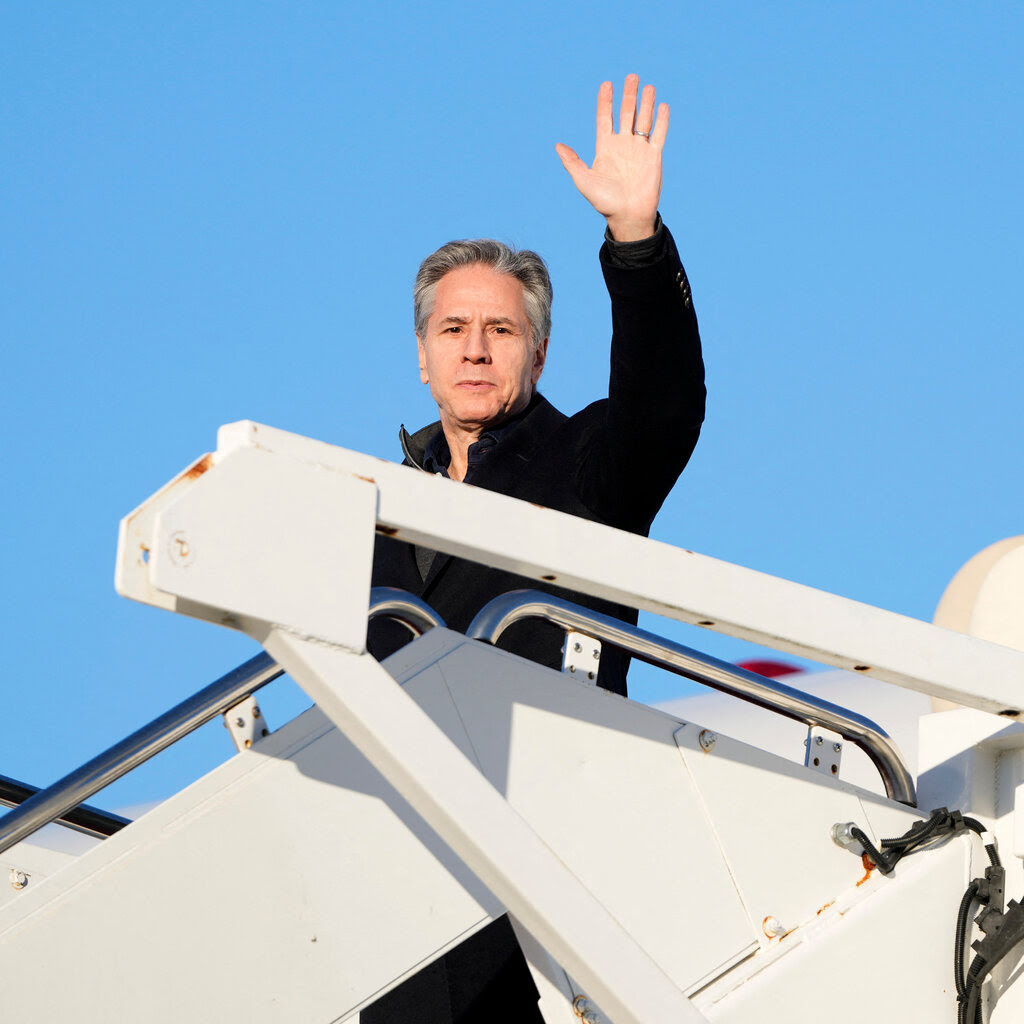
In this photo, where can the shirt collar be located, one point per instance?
(437, 457)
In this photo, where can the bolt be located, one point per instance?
(837, 747)
(842, 836)
(819, 740)
(256, 712)
(597, 653)
(707, 738)
(181, 550)
(771, 926)
(577, 647)
(240, 722)
(584, 1009)
(18, 879)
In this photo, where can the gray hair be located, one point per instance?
(523, 264)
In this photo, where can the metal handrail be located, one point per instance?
(91, 821)
(495, 617)
(58, 800)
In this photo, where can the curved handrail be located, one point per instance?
(403, 607)
(495, 617)
(67, 793)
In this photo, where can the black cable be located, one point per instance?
(1003, 931)
(962, 923)
(972, 1004)
(990, 848)
(880, 862)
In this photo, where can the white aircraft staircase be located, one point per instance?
(655, 869)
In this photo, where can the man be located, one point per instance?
(482, 318)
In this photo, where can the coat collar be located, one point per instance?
(540, 417)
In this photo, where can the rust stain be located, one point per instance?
(388, 531)
(821, 910)
(368, 479)
(199, 468)
(194, 471)
(868, 868)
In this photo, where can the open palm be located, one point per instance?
(624, 182)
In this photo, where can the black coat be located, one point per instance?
(614, 462)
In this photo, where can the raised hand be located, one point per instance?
(624, 183)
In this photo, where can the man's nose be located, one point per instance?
(476, 349)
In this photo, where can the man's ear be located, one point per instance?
(540, 356)
(424, 377)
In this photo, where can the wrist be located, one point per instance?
(631, 229)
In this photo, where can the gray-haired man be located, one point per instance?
(482, 318)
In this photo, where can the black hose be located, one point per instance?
(976, 826)
(962, 923)
(879, 861)
(972, 1007)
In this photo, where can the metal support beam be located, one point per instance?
(554, 547)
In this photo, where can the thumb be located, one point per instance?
(572, 163)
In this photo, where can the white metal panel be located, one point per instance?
(296, 867)
(25, 865)
(598, 777)
(773, 820)
(135, 539)
(395, 735)
(882, 950)
(272, 539)
(958, 752)
(545, 545)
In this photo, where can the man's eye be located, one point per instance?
(454, 329)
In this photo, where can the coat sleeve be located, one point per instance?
(645, 432)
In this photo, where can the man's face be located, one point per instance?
(476, 353)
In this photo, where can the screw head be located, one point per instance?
(837, 747)
(18, 879)
(771, 926)
(819, 740)
(181, 550)
(707, 739)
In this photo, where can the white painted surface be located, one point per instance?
(539, 543)
(300, 839)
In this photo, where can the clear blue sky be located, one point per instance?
(214, 211)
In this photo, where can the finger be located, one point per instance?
(660, 129)
(645, 115)
(627, 112)
(604, 109)
(576, 167)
